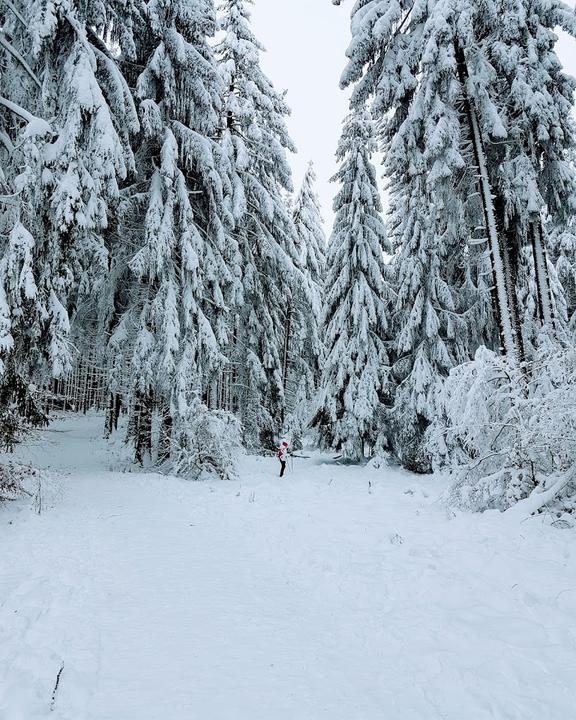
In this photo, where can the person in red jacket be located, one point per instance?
(283, 456)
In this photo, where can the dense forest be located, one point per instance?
(157, 262)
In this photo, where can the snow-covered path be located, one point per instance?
(316, 598)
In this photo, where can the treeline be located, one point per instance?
(459, 353)
(147, 220)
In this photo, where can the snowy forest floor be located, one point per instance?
(316, 597)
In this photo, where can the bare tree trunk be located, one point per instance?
(85, 382)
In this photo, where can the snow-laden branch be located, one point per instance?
(538, 499)
(5, 140)
(80, 33)
(11, 50)
(10, 5)
(118, 76)
(39, 126)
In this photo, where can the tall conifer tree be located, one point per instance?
(307, 345)
(306, 351)
(67, 185)
(186, 269)
(357, 299)
(458, 88)
(256, 139)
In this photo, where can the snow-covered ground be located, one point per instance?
(337, 593)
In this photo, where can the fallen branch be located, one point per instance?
(538, 499)
(53, 701)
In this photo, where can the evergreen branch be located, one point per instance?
(80, 33)
(5, 140)
(11, 50)
(10, 5)
(102, 51)
(21, 112)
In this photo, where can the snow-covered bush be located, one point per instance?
(503, 435)
(21, 409)
(9, 486)
(209, 443)
(17, 480)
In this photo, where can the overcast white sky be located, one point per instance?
(306, 41)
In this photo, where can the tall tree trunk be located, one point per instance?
(165, 438)
(109, 421)
(510, 258)
(545, 304)
(500, 262)
(117, 409)
(143, 428)
(285, 364)
(285, 359)
(112, 413)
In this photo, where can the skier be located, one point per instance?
(283, 456)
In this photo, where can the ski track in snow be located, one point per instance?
(310, 598)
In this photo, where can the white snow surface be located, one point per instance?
(337, 593)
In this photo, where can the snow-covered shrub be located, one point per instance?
(9, 485)
(12, 428)
(209, 443)
(503, 434)
(21, 409)
(17, 480)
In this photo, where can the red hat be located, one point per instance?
(285, 442)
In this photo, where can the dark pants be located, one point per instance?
(282, 467)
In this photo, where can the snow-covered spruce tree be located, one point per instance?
(523, 101)
(186, 269)
(511, 65)
(94, 116)
(309, 226)
(306, 348)
(397, 60)
(443, 306)
(386, 63)
(494, 51)
(113, 29)
(508, 444)
(563, 252)
(356, 302)
(255, 140)
(22, 137)
(67, 186)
